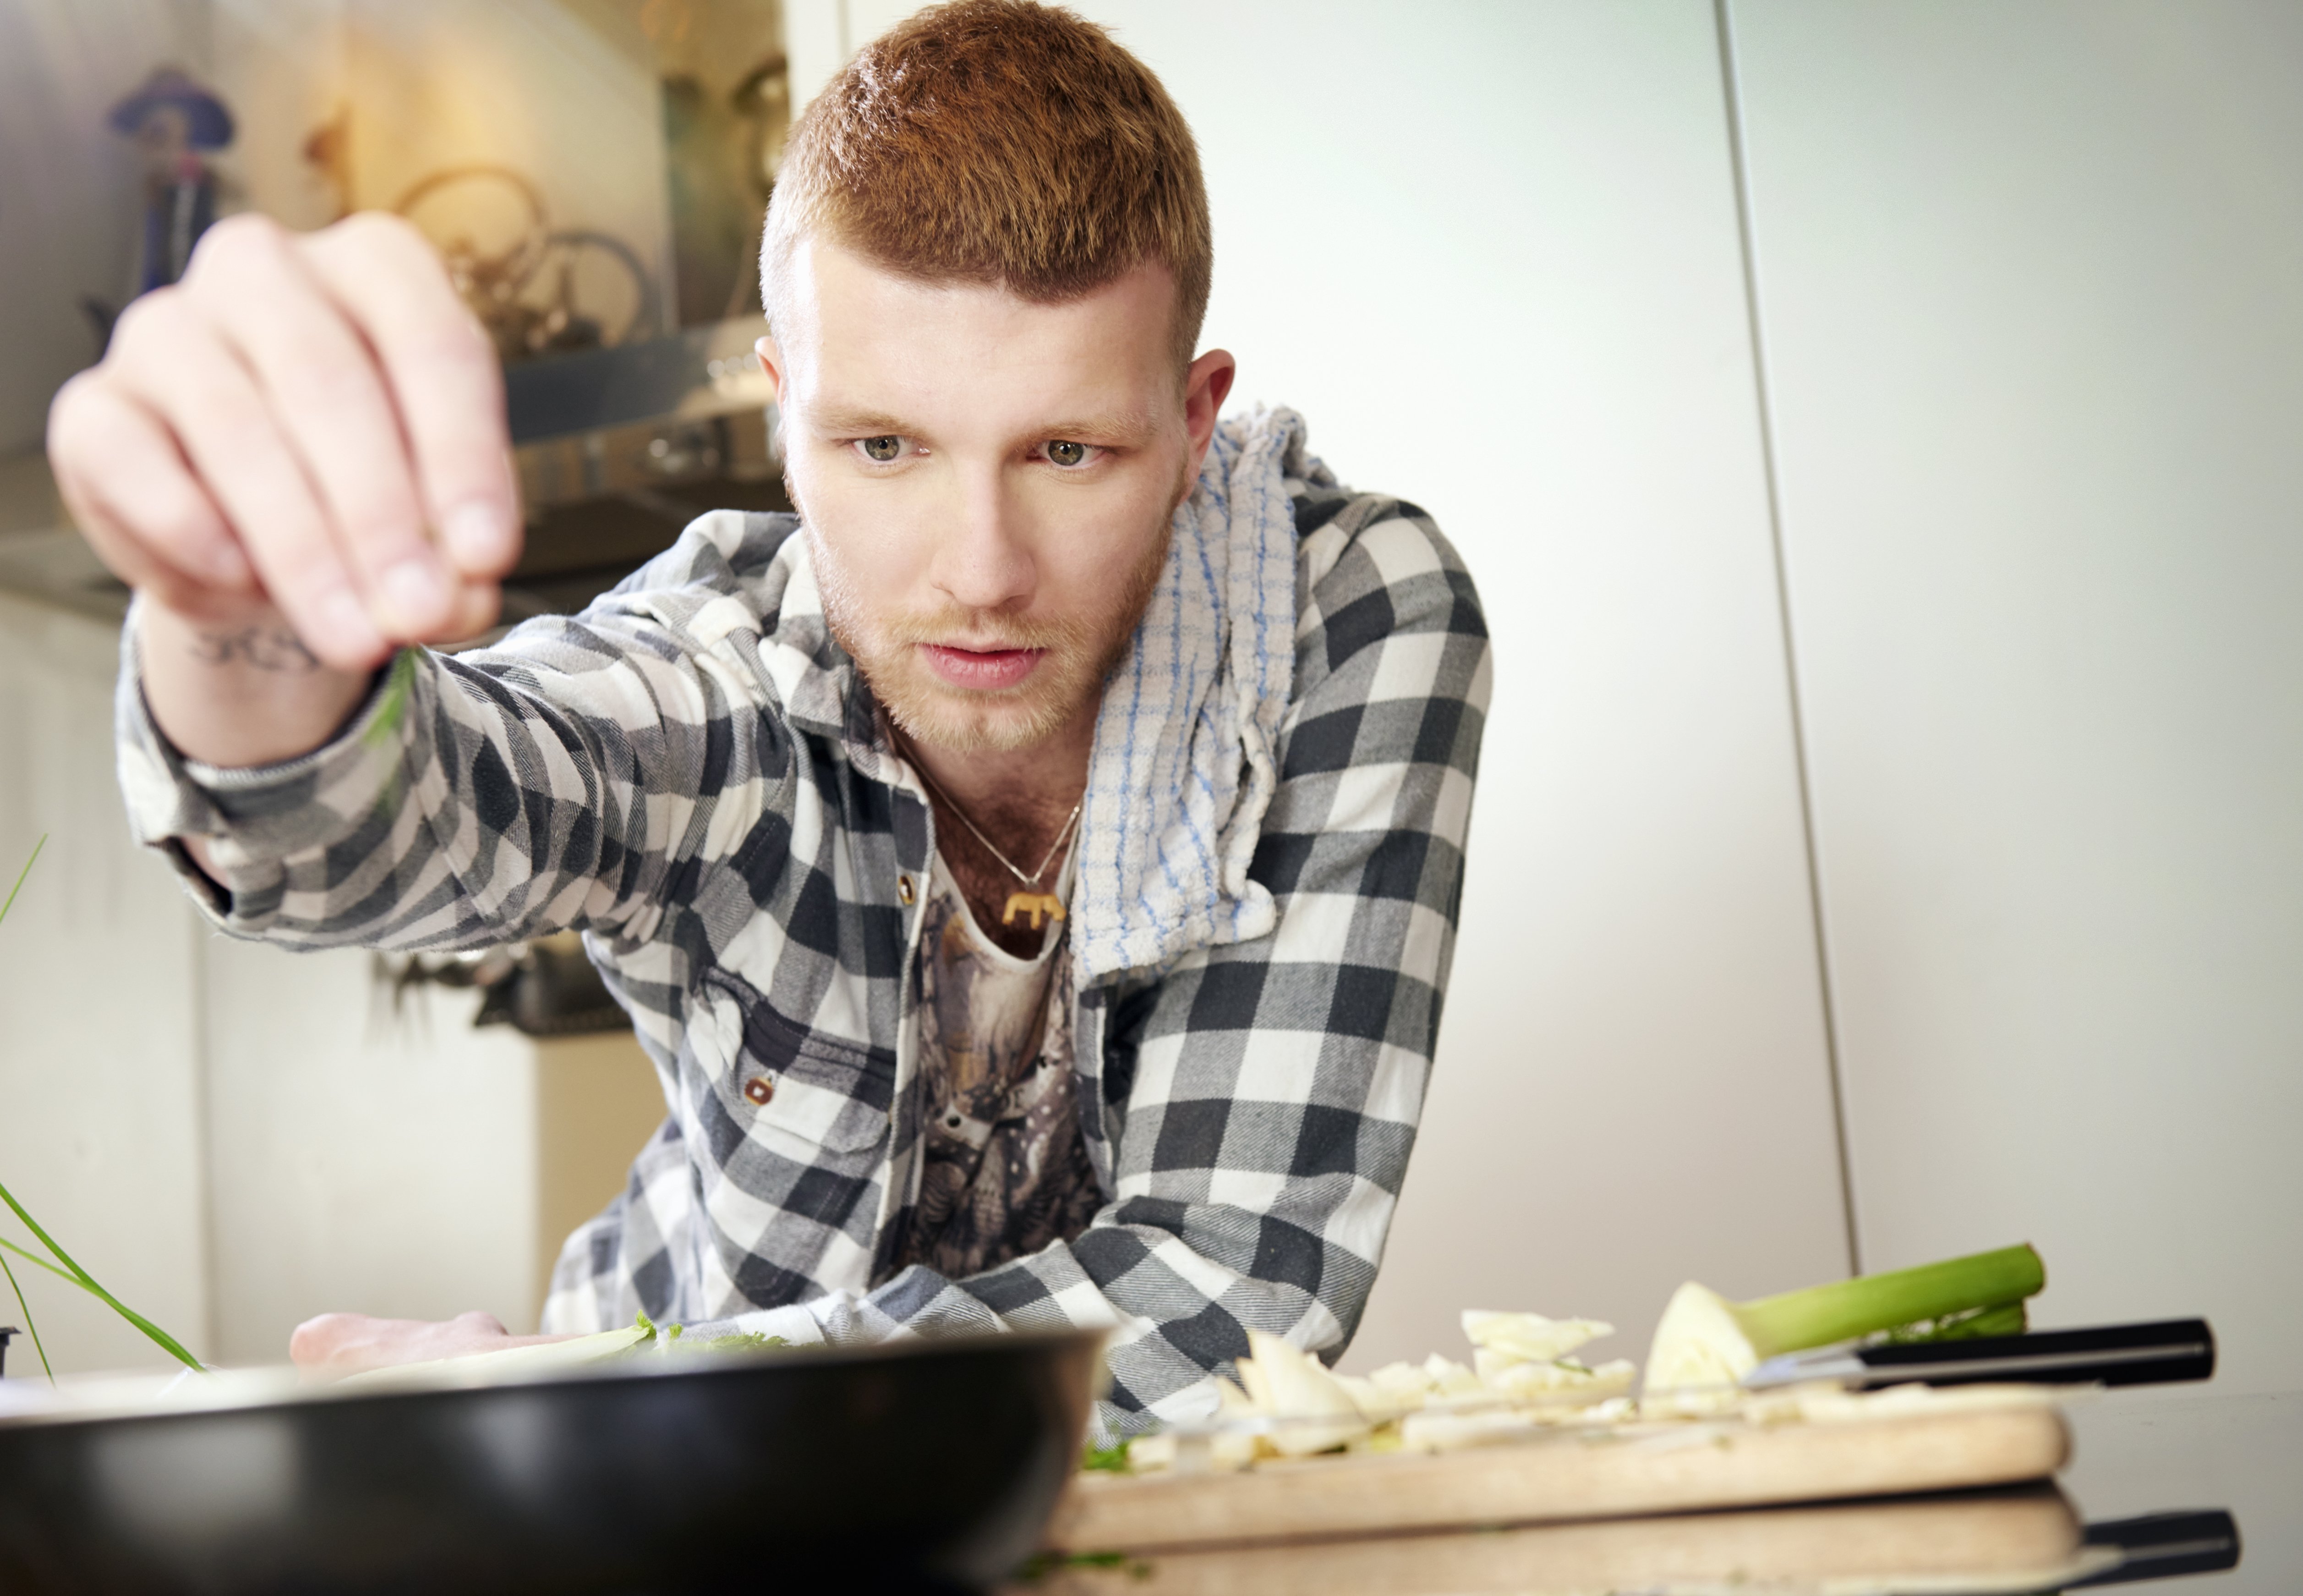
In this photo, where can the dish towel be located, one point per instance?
(1183, 767)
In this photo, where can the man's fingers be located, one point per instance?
(328, 399)
(133, 562)
(477, 604)
(119, 467)
(445, 383)
(336, 1345)
(186, 372)
(293, 423)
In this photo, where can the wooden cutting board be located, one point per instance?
(2022, 1540)
(1615, 1474)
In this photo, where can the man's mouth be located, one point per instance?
(982, 670)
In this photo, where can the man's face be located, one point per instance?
(986, 483)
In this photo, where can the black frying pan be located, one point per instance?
(920, 1466)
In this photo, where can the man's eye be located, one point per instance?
(881, 449)
(1066, 454)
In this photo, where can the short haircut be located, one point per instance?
(1001, 143)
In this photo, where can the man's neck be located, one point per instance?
(1021, 800)
(989, 784)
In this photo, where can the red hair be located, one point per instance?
(1003, 143)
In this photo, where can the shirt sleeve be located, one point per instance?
(1263, 1097)
(556, 781)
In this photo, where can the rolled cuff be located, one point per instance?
(257, 816)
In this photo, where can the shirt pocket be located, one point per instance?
(794, 1090)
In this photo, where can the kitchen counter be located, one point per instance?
(2135, 1453)
(2152, 1450)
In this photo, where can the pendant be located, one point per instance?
(1034, 904)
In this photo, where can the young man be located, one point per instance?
(1033, 869)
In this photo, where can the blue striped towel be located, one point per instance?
(1183, 764)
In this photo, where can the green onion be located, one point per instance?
(21, 874)
(1705, 1344)
(71, 1270)
(87, 1282)
(30, 1329)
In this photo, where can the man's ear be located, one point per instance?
(772, 361)
(1205, 386)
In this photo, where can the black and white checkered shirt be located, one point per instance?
(693, 773)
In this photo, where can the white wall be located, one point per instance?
(361, 1163)
(1491, 252)
(2034, 329)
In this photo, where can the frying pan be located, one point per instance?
(921, 1465)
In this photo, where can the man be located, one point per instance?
(1033, 869)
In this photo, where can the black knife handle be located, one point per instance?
(2162, 1545)
(2167, 1349)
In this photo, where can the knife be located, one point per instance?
(2168, 1349)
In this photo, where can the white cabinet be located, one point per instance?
(1491, 253)
(2033, 328)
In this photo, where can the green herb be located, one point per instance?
(87, 1282)
(398, 686)
(1108, 1460)
(737, 1341)
(1042, 1564)
(21, 874)
(70, 1271)
(666, 1334)
(30, 1329)
(23, 1307)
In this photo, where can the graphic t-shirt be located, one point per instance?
(1005, 1170)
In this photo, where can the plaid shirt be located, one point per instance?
(693, 773)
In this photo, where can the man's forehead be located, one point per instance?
(864, 340)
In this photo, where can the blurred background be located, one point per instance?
(1873, 430)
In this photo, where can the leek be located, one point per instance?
(1705, 1344)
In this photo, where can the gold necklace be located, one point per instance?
(1041, 906)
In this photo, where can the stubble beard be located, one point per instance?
(1081, 653)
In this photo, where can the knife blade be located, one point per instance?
(2163, 1350)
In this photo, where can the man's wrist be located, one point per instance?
(240, 691)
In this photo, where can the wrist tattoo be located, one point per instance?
(259, 647)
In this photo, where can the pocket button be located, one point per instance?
(760, 1089)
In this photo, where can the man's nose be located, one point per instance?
(983, 560)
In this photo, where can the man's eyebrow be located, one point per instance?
(860, 424)
(1112, 427)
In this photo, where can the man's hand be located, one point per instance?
(336, 1345)
(299, 456)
